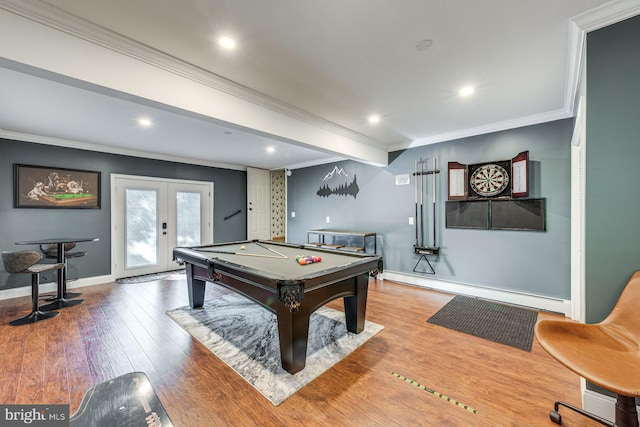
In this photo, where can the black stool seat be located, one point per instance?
(26, 262)
(51, 251)
(67, 255)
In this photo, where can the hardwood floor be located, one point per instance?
(123, 327)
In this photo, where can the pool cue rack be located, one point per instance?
(426, 239)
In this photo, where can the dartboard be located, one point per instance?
(489, 180)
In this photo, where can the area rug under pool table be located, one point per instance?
(245, 336)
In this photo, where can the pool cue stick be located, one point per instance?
(433, 182)
(272, 250)
(419, 217)
(415, 184)
(421, 202)
(238, 253)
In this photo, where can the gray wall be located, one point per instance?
(524, 261)
(29, 224)
(612, 172)
(612, 166)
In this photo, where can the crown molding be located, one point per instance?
(580, 25)
(37, 139)
(490, 128)
(607, 14)
(575, 62)
(60, 20)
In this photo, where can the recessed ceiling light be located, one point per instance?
(227, 42)
(466, 91)
(270, 149)
(144, 122)
(374, 118)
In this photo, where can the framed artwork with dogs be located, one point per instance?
(55, 188)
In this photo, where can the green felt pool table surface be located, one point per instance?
(260, 256)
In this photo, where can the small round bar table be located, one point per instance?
(60, 301)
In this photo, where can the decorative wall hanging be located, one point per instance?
(46, 187)
(338, 182)
(490, 180)
(493, 196)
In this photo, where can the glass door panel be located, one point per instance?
(188, 218)
(141, 224)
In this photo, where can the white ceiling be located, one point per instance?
(333, 62)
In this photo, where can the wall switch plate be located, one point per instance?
(328, 220)
(293, 214)
(410, 220)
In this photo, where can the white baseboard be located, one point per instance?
(51, 286)
(527, 300)
(601, 405)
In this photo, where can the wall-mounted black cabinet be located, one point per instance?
(508, 214)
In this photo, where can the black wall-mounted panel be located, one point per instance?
(522, 214)
(465, 214)
(525, 214)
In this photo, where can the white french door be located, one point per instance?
(258, 204)
(151, 216)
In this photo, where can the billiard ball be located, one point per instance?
(242, 248)
(304, 259)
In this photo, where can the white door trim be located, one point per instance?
(207, 232)
(578, 173)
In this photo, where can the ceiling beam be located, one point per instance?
(41, 37)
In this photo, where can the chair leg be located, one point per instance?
(65, 294)
(35, 315)
(626, 414)
(557, 418)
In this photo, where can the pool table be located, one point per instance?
(267, 272)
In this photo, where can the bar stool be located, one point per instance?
(26, 262)
(51, 252)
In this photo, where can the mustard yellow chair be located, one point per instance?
(606, 354)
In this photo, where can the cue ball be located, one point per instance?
(242, 247)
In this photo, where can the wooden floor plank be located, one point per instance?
(97, 353)
(124, 327)
(12, 356)
(79, 372)
(56, 377)
(31, 384)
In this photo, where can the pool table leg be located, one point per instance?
(355, 306)
(195, 288)
(293, 331)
